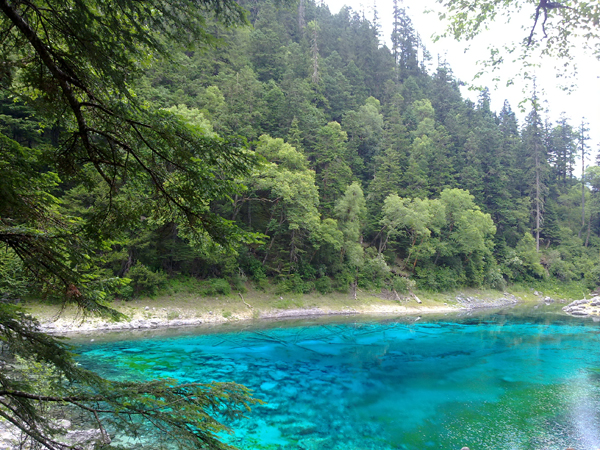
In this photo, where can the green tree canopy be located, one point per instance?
(350, 211)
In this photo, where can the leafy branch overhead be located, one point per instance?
(567, 28)
(544, 6)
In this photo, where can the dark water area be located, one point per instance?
(514, 379)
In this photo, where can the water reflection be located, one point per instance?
(501, 381)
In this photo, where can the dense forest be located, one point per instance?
(372, 171)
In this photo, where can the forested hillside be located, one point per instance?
(374, 172)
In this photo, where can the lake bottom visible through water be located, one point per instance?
(497, 381)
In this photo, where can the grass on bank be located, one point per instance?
(569, 291)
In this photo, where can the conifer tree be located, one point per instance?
(404, 43)
(533, 136)
(561, 151)
(583, 147)
(396, 33)
(313, 28)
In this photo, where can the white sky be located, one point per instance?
(582, 102)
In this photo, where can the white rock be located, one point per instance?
(268, 385)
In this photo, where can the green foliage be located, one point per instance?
(342, 280)
(332, 161)
(439, 278)
(557, 267)
(523, 262)
(180, 284)
(493, 276)
(194, 118)
(145, 281)
(44, 377)
(290, 187)
(77, 67)
(238, 283)
(407, 136)
(262, 284)
(350, 211)
(416, 218)
(214, 286)
(451, 231)
(294, 284)
(402, 284)
(251, 267)
(373, 273)
(365, 131)
(324, 285)
(14, 282)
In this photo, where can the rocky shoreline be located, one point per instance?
(146, 318)
(60, 326)
(12, 438)
(470, 302)
(584, 308)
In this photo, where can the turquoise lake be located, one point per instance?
(504, 380)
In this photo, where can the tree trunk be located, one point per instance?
(237, 205)
(268, 250)
(587, 237)
(383, 243)
(301, 19)
(582, 192)
(293, 256)
(582, 138)
(315, 78)
(537, 201)
(126, 265)
(272, 237)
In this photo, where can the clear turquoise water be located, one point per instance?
(499, 381)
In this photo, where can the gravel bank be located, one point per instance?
(145, 318)
(68, 326)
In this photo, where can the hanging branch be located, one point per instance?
(544, 5)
